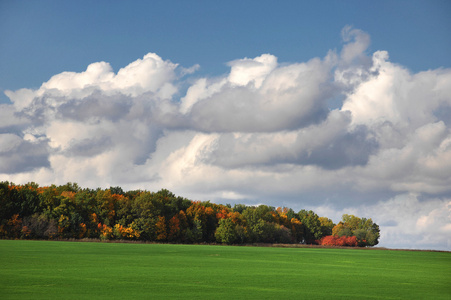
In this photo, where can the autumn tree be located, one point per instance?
(365, 230)
(202, 217)
(161, 229)
(68, 211)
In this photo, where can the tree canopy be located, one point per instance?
(71, 212)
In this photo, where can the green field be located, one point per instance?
(76, 270)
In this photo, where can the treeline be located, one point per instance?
(68, 211)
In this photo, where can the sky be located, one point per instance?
(334, 106)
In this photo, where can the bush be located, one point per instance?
(332, 240)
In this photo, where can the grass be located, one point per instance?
(75, 270)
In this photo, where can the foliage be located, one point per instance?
(332, 240)
(326, 226)
(364, 230)
(312, 225)
(71, 212)
(226, 232)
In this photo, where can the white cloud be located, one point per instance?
(262, 133)
(245, 71)
(149, 74)
(21, 98)
(357, 41)
(264, 98)
(414, 223)
(200, 90)
(390, 93)
(96, 74)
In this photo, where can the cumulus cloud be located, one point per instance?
(11, 121)
(149, 74)
(259, 96)
(261, 133)
(251, 71)
(19, 155)
(330, 145)
(357, 42)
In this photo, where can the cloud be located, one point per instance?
(19, 155)
(10, 121)
(258, 96)
(330, 145)
(400, 109)
(149, 74)
(420, 224)
(251, 71)
(96, 106)
(261, 133)
(357, 42)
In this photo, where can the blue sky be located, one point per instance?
(335, 106)
(43, 38)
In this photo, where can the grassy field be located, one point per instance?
(74, 270)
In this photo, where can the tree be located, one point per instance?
(195, 233)
(68, 211)
(205, 213)
(69, 187)
(365, 230)
(372, 232)
(312, 225)
(160, 229)
(28, 199)
(226, 232)
(239, 208)
(116, 190)
(259, 224)
(39, 226)
(297, 230)
(282, 234)
(326, 226)
(106, 209)
(12, 228)
(177, 227)
(144, 215)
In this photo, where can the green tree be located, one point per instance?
(326, 226)
(226, 232)
(144, 215)
(312, 225)
(194, 234)
(239, 208)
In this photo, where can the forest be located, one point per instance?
(68, 211)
